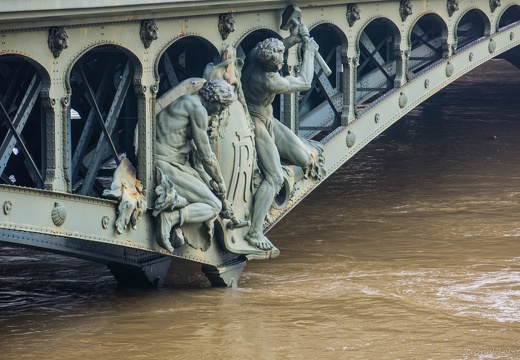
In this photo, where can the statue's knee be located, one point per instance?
(278, 182)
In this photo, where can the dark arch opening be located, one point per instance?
(23, 122)
(183, 59)
(101, 79)
(510, 16)
(428, 42)
(320, 107)
(379, 50)
(471, 27)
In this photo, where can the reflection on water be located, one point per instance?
(411, 251)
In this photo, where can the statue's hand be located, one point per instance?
(219, 189)
(303, 31)
(299, 32)
(312, 46)
(227, 210)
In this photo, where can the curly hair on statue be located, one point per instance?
(265, 48)
(218, 90)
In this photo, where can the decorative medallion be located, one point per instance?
(493, 4)
(449, 69)
(452, 6)
(58, 214)
(492, 46)
(405, 9)
(58, 40)
(226, 25)
(353, 14)
(105, 221)
(148, 32)
(403, 100)
(8, 206)
(351, 139)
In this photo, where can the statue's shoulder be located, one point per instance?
(187, 87)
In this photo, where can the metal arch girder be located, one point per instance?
(322, 117)
(88, 128)
(19, 121)
(109, 126)
(21, 143)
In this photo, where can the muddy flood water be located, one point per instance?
(410, 251)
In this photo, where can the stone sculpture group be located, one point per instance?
(191, 122)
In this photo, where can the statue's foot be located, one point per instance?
(164, 241)
(167, 219)
(178, 237)
(210, 227)
(259, 241)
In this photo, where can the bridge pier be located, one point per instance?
(225, 275)
(151, 273)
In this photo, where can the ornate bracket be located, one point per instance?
(58, 40)
(148, 32)
(353, 14)
(452, 6)
(226, 25)
(405, 9)
(493, 4)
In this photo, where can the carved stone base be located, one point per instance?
(225, 275)
(151, 274)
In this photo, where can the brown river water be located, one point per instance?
(409, 251)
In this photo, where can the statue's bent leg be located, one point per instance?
(203, 207)
(269, 163)
(291, 147)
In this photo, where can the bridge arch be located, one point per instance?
(324, 101)
(508, 16)
(102, 115)
(427, 41)
(24, 96)
(378, 47)
(181, 59)
(472, 25)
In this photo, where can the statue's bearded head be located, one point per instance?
(270, 52)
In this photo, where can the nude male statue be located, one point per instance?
(261, 82)
(181, 128)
